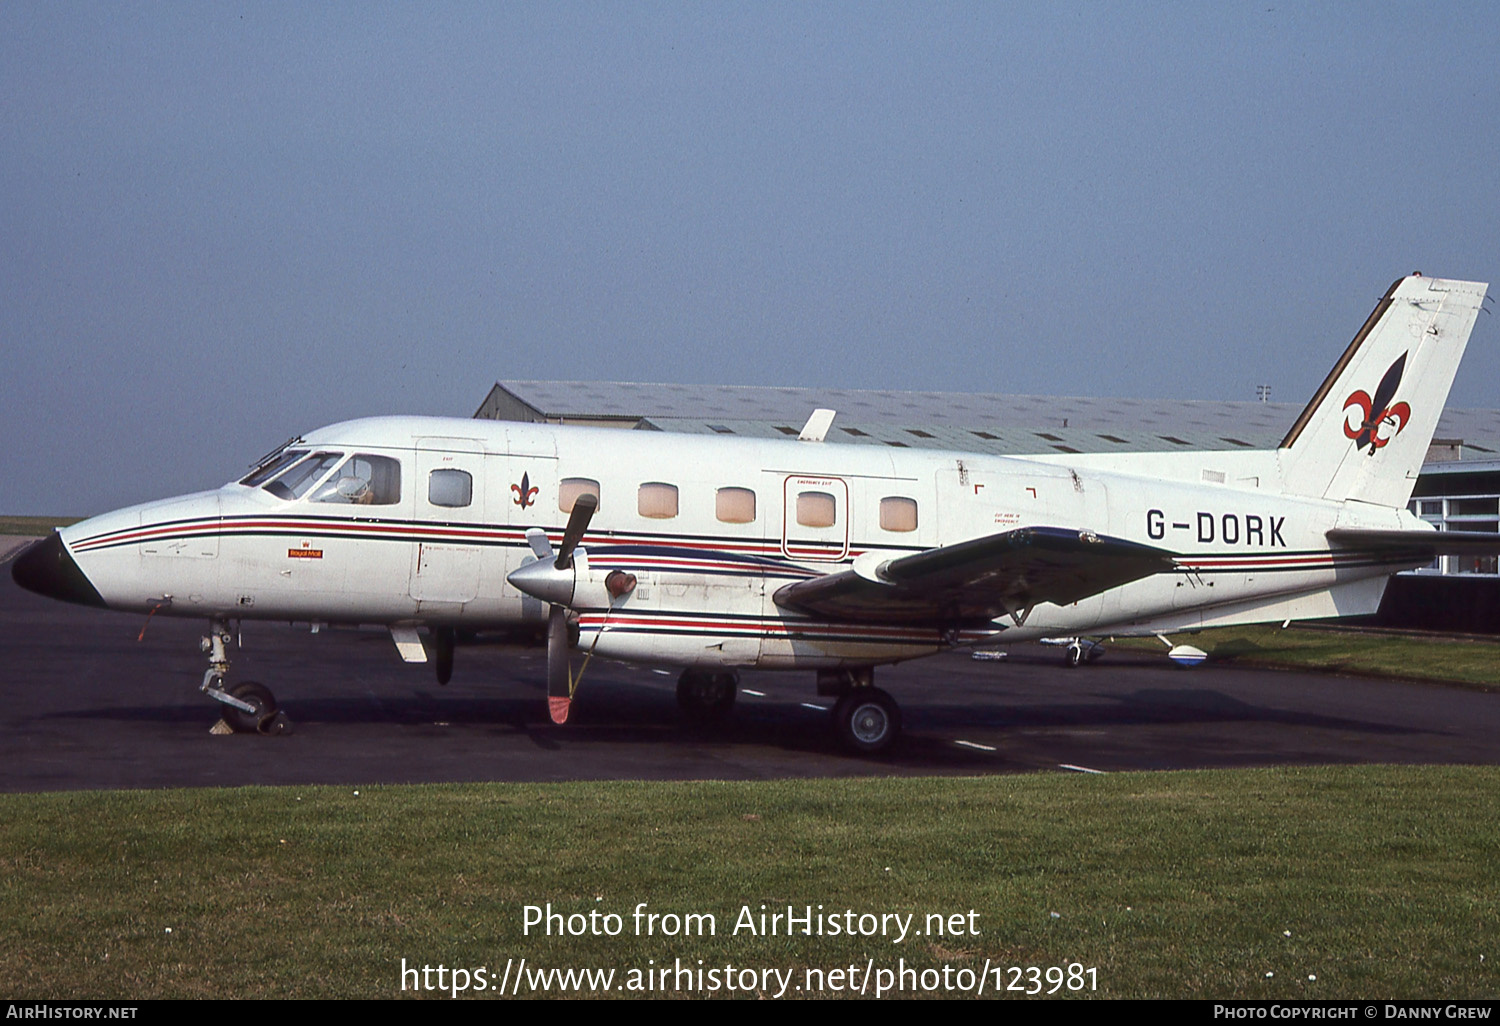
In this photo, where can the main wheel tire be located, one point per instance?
(868, 721)
(255, 694)
(706, 697)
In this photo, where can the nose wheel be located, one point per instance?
(248, 707)
(263, 717)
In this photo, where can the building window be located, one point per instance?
(735, 505)
(657, 500)
(898, 513)
(1461, 513)
(1472, 507)
(816, 509)
(570, 488)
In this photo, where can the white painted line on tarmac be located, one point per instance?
(1080, 769)
(757, 694)
(810, 705)
(976, 745)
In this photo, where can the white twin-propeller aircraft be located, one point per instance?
(713, 554)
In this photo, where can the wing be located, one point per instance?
(975, 581)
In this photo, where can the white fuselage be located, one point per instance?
(707, 560)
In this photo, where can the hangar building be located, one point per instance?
(1459, 488)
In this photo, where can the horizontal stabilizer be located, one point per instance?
(974, 582)
(1423, 545)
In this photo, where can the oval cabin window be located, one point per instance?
(816, 509)
(735, 505)
(898, 513)
(657, 500)
(570, 488)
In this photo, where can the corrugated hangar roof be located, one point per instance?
(994, 439)
(973, 422)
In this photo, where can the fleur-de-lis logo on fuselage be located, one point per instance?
(525, 493)
(1376, 413)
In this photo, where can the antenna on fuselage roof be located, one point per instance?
(276, 451)
(816, 428)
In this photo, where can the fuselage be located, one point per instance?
(419, 521)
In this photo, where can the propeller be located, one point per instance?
(559, 665)
(555, 584)
(578, 522)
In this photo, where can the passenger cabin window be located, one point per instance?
(297, 480)
(657, 500)
(735, 505)
(570, 488)
(816, 509)
(363, 480)
(898, 513)
(450, 488)
(273, 466)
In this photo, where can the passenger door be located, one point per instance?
(450, 513)
(815, 518)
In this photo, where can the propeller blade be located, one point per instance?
(540, 546)
(558, 699)
(578, 522)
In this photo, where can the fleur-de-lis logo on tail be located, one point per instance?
(525, 493)
(1377, 412)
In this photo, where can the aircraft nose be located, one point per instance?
(47, 568)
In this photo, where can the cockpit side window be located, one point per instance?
(294, 482)
(363, 480)
(273, 466)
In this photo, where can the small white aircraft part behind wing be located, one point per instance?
(714, 554)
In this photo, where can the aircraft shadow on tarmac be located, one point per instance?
(1149, 707)
(616, 714)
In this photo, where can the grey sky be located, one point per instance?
(226, 224)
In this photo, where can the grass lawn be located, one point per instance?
(1470, 661)
(1380, 882)
(34, 526)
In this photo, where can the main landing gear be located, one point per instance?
(248, 707)
(706, 697)
(866, 719)
(1082, 650)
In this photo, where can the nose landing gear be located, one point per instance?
(248, 707)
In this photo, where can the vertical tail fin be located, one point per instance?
(1366, 432)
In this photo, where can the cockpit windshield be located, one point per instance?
(298, 479)
(277, 462)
